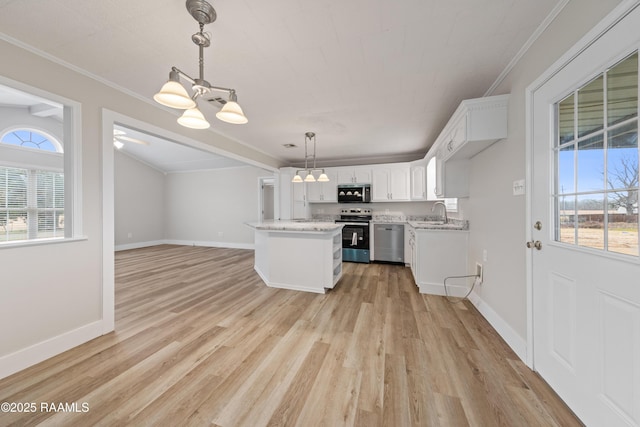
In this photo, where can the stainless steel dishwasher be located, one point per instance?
(388, 242)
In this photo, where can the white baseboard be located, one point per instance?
(26, 357)
(208, 244)
(139, 245)
(287, 286)
(513, 340)
(438, 289)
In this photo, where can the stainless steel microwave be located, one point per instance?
(354, 193)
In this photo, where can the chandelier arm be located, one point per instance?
(183, 74)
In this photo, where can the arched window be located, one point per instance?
(31, 197)
(32, 139)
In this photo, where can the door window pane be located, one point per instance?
(591, 221)
(566, 121)
(622, 90)
(623, 223)
(591, 107)
(566, 230)
(591, 164)
(566, 170)
(622, 157)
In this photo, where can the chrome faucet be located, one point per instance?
(444, 210)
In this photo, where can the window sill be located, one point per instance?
(40, 242)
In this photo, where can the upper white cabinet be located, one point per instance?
(293, 197)
(431, 180)
(353, 175)
(418, 181)
(390, 183)
(323, 191)
(475, 125)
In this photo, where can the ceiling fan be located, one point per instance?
(120, 137)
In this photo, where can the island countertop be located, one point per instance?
(307, 226)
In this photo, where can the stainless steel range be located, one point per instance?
(355, 234)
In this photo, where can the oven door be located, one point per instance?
(355, 236)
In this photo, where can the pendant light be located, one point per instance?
(174, 95)
(310, 136)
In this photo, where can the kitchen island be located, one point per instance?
(302, 256)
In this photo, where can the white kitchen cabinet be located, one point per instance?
(390, 183)
(354, 175)
(300, 206)
(431, 180)
(418, 182)
(475, 125)
(438, 254)
(409, 245)
(323, 192)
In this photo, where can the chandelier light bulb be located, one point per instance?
(174, 95)
(194, 119)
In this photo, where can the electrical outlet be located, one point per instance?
(479, 272)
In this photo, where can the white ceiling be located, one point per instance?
(168, 156)
(373, 79)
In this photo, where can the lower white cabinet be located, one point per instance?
(437, 254)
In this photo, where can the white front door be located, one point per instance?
(586, 268)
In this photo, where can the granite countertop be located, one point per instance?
(452, 224)
(313, 226)
(422, 222)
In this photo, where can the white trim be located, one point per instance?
(40, 242)
(438, 289)
(140, 245)
(26, 357)
(108, 222)
(513, 340)
(527, 45)
(203, 243)
(623, 9)
(210, 244)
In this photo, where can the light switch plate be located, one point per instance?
(518, 187)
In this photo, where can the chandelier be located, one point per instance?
(310, 136)
(174, 95)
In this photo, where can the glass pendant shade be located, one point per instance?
(232, 113)
(309, 178)
(174, 95)
(297, 178)
(323, 177)
(193, 118)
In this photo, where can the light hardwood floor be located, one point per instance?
(200, 340)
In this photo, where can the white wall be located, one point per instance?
(139, 203)
(211, 207)
(51, 295)
(497, 218)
